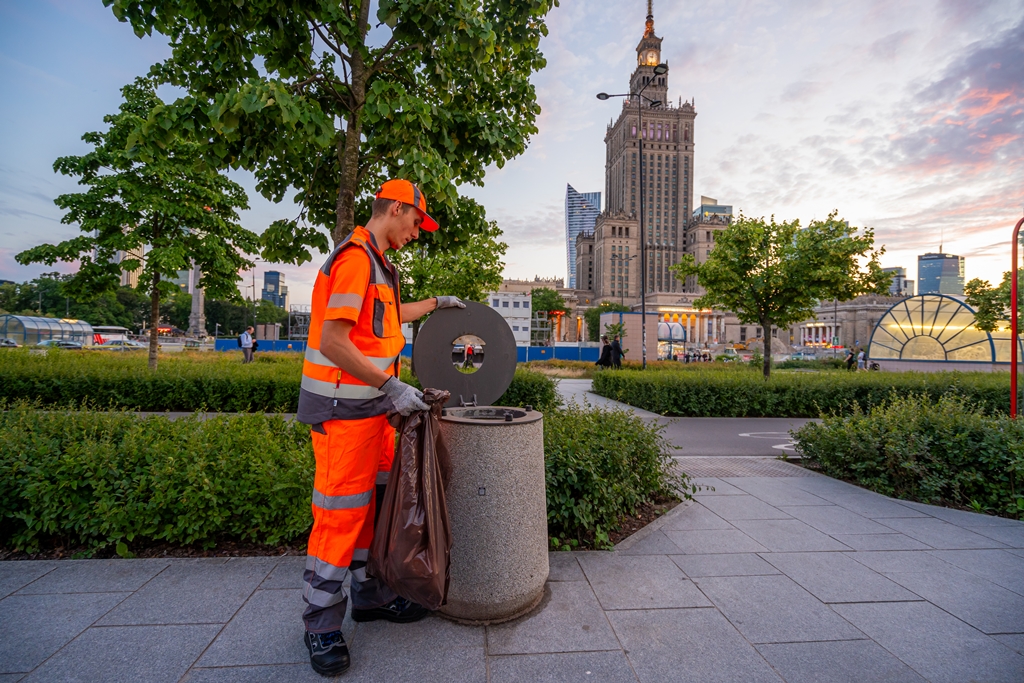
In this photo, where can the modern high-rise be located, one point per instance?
(900, 285)
(940, 274)
(581, 211)
(274, 289)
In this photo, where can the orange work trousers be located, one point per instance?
(353, 459)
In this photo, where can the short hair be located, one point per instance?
(382, 205)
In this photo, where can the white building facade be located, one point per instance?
(515, 308)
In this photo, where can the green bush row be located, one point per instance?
(712, 392)
(188, 382)
(941, 452)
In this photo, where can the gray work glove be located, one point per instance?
(449, 302)
(407, 399)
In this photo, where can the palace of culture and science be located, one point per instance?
(607, 263)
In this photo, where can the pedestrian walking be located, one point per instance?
(350, 381)
(851, 358)
(860, 360)
(617, 352)
(246, 341)
(605, 361)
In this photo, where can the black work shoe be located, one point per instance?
(328, 654)
(399, 611)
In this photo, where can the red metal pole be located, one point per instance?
(1013, 321)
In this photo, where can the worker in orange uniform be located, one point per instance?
(349, 383)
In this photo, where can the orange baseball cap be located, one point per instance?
(408, 193)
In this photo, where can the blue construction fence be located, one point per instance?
(524, 353)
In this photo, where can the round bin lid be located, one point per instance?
(432, 353)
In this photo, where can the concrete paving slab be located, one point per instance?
(888, 561)
(11, 678)
(713, 542)
(639, 582)
(962, 518)
(937, 645)
(569, 619)
(823, 487)
(33, 627)
(16, 575)
(834, 577)
(567, 667)
(777, 491)
(1012, 536)
(787, 535)
(438, 665)
(1016, 551)
(96, 576)
(281, 673)
(1014, 641)
(941, 535)
(267, 630)
(732, 508)
(833, 519)
(563, 566)
(720, 487)
(982, 604)
(872, 505)
(287, 573)
(433, 649)
(697, 517)
(746, 564)
(155, 654)
(654, 543)
(682, 645)
(889, 541)
(774, 609)
(842, 661)
(998, 566)
(193, 592)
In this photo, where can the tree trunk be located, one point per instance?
(348, 144)
(154, 319)
(766, 330)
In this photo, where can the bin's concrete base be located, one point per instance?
(487, 622)
(498, 511)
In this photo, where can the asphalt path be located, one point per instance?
(704, 436)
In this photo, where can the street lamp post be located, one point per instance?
(658, 71)
(1014, 338)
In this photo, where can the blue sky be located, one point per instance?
(906, 117)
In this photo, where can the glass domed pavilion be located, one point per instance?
(937, 328)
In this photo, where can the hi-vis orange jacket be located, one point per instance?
(359, 285)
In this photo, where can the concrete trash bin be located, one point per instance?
(498, 511)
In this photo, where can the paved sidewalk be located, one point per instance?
(768, 578)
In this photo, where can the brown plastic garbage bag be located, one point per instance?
(412, 542)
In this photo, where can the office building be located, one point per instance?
(274, 289)
(581, 211)
(940, 274)
(900, 285)
(515, 308)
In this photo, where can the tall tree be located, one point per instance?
(181, 211)
(311, 98)
(770, 273)
(992, 304)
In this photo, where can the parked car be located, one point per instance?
(59, 344)
(120, 345)
(6, 343)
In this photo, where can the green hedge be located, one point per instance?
(112, 479)
(942, 452)
(735, 392)
(188, 382)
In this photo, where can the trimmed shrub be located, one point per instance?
(601, 465)
(941, 452)
(738, 392)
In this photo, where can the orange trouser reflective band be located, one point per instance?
(353, 458)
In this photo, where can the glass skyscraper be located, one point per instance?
(940, 274)
(581, 210)
(274, 289)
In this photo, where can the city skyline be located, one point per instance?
(905, 118)
(581, 210)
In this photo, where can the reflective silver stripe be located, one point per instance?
(360, 555)
(382, 478)
(326, 570)
(319, 598)
(380, 274)
(328, 389)
(359, 575)
(356, 500)
(342, 300)
(314, 356)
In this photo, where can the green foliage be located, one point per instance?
(299, 94)
(592, 317)
(600, 466)
(546, 300)
(699, 391)
(943, 451)
(111, 479)
(530, 388)
(771, 273)
(836, 363)
(125, 307)
(992, 304)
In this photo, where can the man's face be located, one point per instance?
(405, 226)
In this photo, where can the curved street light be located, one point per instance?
(658, 71)
(1015, 339)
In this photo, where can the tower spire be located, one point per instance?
(649, 30)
